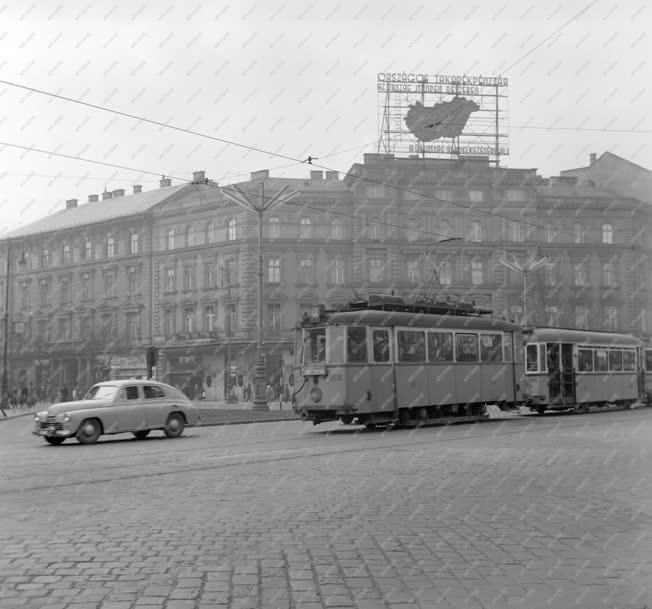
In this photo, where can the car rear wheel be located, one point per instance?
(54, 441)
(174, 426)
(89, 431)
(142, 434)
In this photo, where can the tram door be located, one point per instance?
(554, 371)
(561, 375)
(567, 372)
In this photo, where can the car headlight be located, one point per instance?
(37, 419)
(64, 416)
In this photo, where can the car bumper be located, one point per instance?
(53, 433)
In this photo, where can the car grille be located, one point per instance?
(52, 421)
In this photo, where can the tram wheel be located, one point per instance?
(347, 419)
(370, 425)
(541, 409)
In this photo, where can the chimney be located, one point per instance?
(316, 175)
(592, 158)
(165, 182)
(198, 177)
(106, 195)
(263, 174)
(137, 188)
(93, 198)
(332, 175)
(120, 192)
(70, 203)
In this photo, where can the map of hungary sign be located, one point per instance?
(443, 120)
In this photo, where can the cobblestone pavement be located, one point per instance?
(553, 513)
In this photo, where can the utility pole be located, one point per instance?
(524, 270)
(259, 206)
(227, 315)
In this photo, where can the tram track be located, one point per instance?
(441, 435)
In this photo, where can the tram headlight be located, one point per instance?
(316, 394)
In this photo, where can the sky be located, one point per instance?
(298, 79)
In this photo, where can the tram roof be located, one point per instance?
(563, 335)
(368, 317)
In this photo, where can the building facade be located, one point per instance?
(176, 267)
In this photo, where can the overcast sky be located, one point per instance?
(298, 78)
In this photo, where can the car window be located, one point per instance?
(131, 392)
(101, 392)
(151, 391)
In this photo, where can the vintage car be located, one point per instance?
(114, 407)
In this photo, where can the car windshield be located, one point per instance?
(101, 392)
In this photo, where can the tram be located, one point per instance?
(384, 361)
(648, 375)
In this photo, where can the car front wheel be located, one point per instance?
(89, 431)
(174, 426)
(54, 440)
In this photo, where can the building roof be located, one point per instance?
(98, 211)
(572, 190)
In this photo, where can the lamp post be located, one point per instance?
(259, 206)
(4, 384)
(524, 269)
(228, 398)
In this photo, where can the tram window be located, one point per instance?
(381, 345)
(532, 358)
(315, 346)
(629, 360)
(491, 347)
(648, 360)
(466, 347)
(585, 360)
(411, 346)
(440, 346)
(600, 361)
(507, 348)
(615, 360)
(356, 345)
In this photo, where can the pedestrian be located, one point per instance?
(64, 394)
(23, 396)
(75, 394)
(248, 392)
(203, 395)
(269, 394)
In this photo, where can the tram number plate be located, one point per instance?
(313, 370)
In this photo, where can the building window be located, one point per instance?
(476, 196)
(514, 194)
(45, 258)
(516, 314)
(337, 271)
(231, 229)
(188, 277)
(64, 328)
(274, 270)
(551, 275)
(86, 286)
(607, 234)
(109, 285)
(376, 270)
(375, 191)
(609, 274)
(170, 280)
(581, 317)
(611, 318)
(66, 255)
(274, 316)
(42, 333)
(412, 230)
(305, 270)
(476, 231)
(274, 228)
(110, 247)
(24, 294)
(64, 291)
(190, 236)
(211, 236)
(210, 275)
(445, 273)
(551, 233)
(444, 195)
(88, 250)
(107, 328)
(579, 274)
(170, 239)
(85, 327)
(375, 229)
(189, 319)
(305, 228)
(132, 281)
(578, 233)
(337, 229)
(230, 272)
(233, 316)
(477, 272)
(209, 318)
(169, 325)
(517, 232)
(444, 230)
(44, 292)
(552, 315)
(413, 274)
(133, 330)
(133, 243)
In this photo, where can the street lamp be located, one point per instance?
(260, 206)
(4, 384)
(227, 319)
(524, 269)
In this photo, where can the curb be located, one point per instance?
(222, 423)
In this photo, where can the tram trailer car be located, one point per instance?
(648, 376)
(386, 362)
(576, 369)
